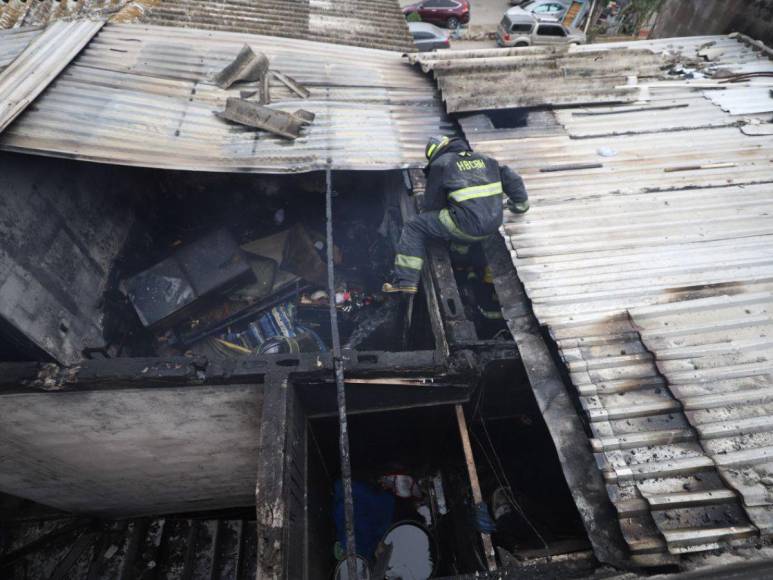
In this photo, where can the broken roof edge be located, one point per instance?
(198, 167)
(41, 61)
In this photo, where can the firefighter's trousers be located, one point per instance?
(411, 249)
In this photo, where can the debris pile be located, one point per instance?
(220, 296)
(252, 67)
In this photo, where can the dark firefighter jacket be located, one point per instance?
(470, 185)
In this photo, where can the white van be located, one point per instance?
(521, 28)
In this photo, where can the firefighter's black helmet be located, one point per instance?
(435, 145)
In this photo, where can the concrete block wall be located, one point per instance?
(699, 17)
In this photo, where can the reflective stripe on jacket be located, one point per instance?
(469, 185)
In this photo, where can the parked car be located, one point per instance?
(428, 37)
(521, 28)
(448, 13)
(545, 8)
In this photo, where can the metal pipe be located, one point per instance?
(590, 16)
(346, 466)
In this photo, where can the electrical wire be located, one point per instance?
(504, 484)
(310, 429)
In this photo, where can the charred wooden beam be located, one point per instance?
(319, 399)
(279, 407)
(564, 424)
(123, 373)
(450, 324)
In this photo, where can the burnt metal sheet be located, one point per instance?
(717, 356)
(366, 23)
(39, 63)
(631, 234)
(146, 96)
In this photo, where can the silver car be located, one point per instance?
(521, 28)
(544, 8)
(428, 37)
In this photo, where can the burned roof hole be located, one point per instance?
(515, 460)
(235, 266)
(508, 118)
(542, 120)
(64, 326)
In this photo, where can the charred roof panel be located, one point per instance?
(717, 355)
(145, 96)
(637, 205)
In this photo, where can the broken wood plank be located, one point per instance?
(247, 66)
(270, 489)
(275, 121)
(292, 84)
(477, 496)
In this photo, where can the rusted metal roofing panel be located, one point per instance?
(367, 23)
(39, 64)
(145, 95)
(679, 209)
(18, 13)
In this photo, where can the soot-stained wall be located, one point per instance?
(61, 225)
(132, 452)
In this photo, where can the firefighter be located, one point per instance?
(462, 203)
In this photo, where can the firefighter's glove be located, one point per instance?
(518, 207)
(483, 521)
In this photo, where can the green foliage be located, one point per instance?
(413, 17)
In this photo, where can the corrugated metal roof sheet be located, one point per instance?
(39, 63)
(484, 79)
(18, 13)
(717, 355)
(528, 77)
(367, 23)
(144, 95)
(13, 42)
(647, 227)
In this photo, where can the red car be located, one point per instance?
(448, 13)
